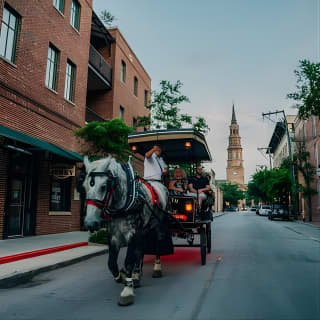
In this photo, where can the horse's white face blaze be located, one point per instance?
(96, 188)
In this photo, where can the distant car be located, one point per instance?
(233, 209)
(252, 209)
(280, 211)
(264, 210)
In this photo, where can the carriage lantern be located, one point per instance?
(134, 148)
(187, 144)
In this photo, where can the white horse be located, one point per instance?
(112, 190)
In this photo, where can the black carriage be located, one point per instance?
(187, 148)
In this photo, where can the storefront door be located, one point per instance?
(18, 197)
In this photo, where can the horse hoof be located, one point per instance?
(157, 274)
(126, 296)
(126, 301)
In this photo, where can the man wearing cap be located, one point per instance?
(154, 166)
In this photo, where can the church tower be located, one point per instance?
(235, 169)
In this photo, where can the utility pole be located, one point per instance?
(293, 180)
(268, 152)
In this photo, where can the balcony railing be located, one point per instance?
(100, 65)
(93, 116)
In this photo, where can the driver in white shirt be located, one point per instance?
(154, 166)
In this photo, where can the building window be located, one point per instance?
(52, 68)
(314, 126)
(121, 112)
(123, 71)
(9, 34)
(75, 14)
(135, 86)
(134, 122)
(145, 98)
(60, 199)
(58, 4)
(69, 83)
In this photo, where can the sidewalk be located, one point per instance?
(34, 254)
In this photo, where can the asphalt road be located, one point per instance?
(259, 269)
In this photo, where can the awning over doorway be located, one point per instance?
(62, 152)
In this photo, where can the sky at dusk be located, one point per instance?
(224, 51)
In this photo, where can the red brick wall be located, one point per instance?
(26, 105)
(48, 224)
(42, 24)
(123, 92)
(4, 158)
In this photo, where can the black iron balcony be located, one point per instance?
(100, 72)
(93, 116)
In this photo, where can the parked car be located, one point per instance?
(252, 209)
(264, 210)
(280, 211)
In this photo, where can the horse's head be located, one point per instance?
(100, 183)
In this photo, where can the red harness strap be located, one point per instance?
(153, 191)
(93, 203)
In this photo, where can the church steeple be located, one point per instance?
(235, 169)
(234, 120)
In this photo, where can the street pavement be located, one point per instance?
(259, 269)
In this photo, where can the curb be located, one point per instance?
(41, 252)
(307, 224)
(21, 278)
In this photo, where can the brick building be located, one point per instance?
(307, 137)
(44, 49)
(59, 67)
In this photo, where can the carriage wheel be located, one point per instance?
(209, 235)
(203, 245)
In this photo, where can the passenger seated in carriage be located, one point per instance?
(199, 186)
(179, 184)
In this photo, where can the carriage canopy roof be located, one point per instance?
(179, 145)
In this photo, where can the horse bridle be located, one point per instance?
(111, 186)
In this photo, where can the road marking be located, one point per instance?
(315, 239)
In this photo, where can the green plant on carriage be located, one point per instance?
(100, 139)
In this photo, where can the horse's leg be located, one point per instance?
(157, 271)
(113, 263)
(127, 294)
(139, 254)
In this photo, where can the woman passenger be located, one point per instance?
(179, 184)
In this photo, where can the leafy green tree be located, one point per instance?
(165, 111)
(104, 138)
(107, 18)
(270, 185)
(301, 163)
(278, 187)
(308, 84)
(257, 186)
(231, 193)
